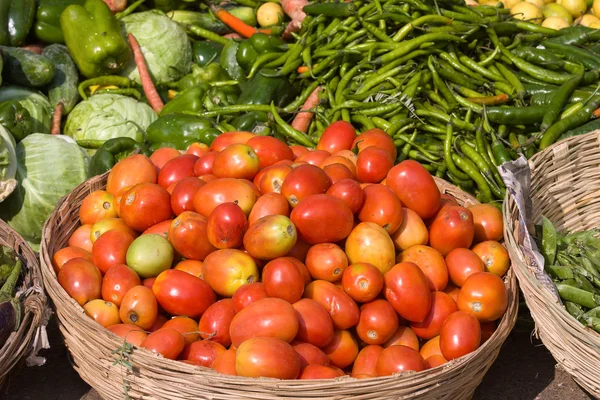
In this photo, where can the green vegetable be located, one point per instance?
(203, 20)
(111, 152)
(48, 168)
(63, 87)
(211, 73)
(179, 131)
(10, 307)
(229, 61)
(16, 118)
(8, 164)
(549, 241)
(8, 259)
(47, 22)
(250, 121)
(190, 100)
(206, 52)
(38, 106)
(94, 39)
(16, 19)
(263, 89)
(22, 67)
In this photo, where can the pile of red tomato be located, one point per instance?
(256, 258)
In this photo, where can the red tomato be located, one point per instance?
(314, 323)
(229, 138)
(270, 150)
(309, 354)
(162, 228)
(415, 187)
(342, 350)
(103, 312)
(337, 136)
(326, 261)
(431, 262)
(82, 238)
(267, 357)
(362, 281)
(197, 149)
(373, 164)
(203, 352)
(407, 290)
(396, 359)
(189, 236)
(111, 249)
(370, 243)
(270, 237)
(161, 319)
(109, 224)
(332, 160)
(494, 256)
(299, 252)
(226, 270)
(177, 169)
(487, 330)
(322, 218)
(460, 335)
(273, 177)
(343, 310)
(320, 372)
(193, 267)
(431, 348)
(452, 228)
(378, 322)
(216, 320)
(452, 291)
(298, 150)
(227, 224)
(204, 164)
(130, 171)
(375, 137)
(350, 192)
(404, 336)
(337, 172)
(484, 296)
(182, 197)
(236, 161)
(116, 283)
(268, 317)
(184, 325)
(282, 279)
(488, 222)
(382, 207)
(96, 206)
(303, 181)
(145, 205)
(180, 293)
(81, 280)
(248, 294)
(461, 264)
(225, 190)
(67, 253)
(225, 363)
(313, 157)
(139, 307)
(148, 282)
(366, 361)
(162, 156)
(442, 306)
(166, 342)
(131, 333)
(269, 204)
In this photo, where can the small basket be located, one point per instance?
(565, 188)
(31, 333)
(154, 377)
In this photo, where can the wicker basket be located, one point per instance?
(30, 335)
(565, 188)
(154, 377)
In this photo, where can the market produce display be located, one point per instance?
(10, 307)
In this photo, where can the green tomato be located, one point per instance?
(149, 255)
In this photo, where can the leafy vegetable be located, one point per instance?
(107, 116)
(38, 106)
(10, 307)
(8, 257)
(48, 168)
(8, 163)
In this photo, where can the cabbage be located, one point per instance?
(8, 163)
(165, 45)
(107, 116)
(33, 101)
(48, 168)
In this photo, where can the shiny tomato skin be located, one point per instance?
(162, 156)
(81, 280)
(225, 363)
(189, 236)
(269, 204)
(350, 192)
(373, 164)
(431, 348)
(236, 161)
(404, 336)
(362, 281)
(370, 243)
(204, 164)
(227, 225)
(131, 333)
(177, 169)
(282, 279)
(375, 137)
(224, 190)
(461, 264)
(248, 294)
(314, 323)
(378, 322)
(105, 225)
(298, 150)
(145, 205)
(320, 372)
(488, 222)
(407, 290)
(338, 172)
(139, 307)
(326, 261)
(381, 206)
(442, 306)
(270, 237)
(187, 326)
(412, 231)
(270, 317)
(162, 228)
(342, 350)
(460, 335)
(337, 136)
(67, 253)
(180, 293)
(313, 157)
(303, 181)
(430, 261)
(484, 296)
(494, 256)
(216, 320)
(415, 187)
(270, 150)
(267, 357)
(228, 138)
(322, 218)
(111, 249)
(130, 171)
(193, 267)
(117, 281)
(198, 149)
(166, 342)
(96, 206)
(343, 310)
(396, 359)
(452, 228)
(103, 312)
(226, 270)
(182, 197)
(366, 361)
(309, 354)
(333, 160)
(82, 238)
(203, 352)
(272, 178)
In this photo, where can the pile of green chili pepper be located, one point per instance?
(573, 262)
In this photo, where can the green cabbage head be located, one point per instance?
(8, 163)
(48, 168)
(165, 45)
(107, 116)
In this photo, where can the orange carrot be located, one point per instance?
(302, 69)
(151, 94)
(303, 118)
(596, 113)
(236, 24)
(56, 118)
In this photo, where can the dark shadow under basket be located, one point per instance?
(154, 377)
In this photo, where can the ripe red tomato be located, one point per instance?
(267, 357)
(270, 150)
(139, 307)
(184, 325)
(298, 150)
(96, 206)
(404, 336)
(309, 354)
(225, 190)
(366, 361)
(487, 330)
(332, 160)
(452, 228)
(182, 197)
(370, 243)
(461, 264)
(362, 281)
(415, 187)
(229, 138)
(226, 227)
(494, 256)
(161, 319)
(488, 222)
(198, 149)
(145, 205)
(314, 323)
(269, 204)
(326, 261)
(236, 161)
(177, 169)
(460, 335)
(378, 322)
(163, 155)
(103, 312)
(81, 280)
(131, 333)
(373, 164)
(225, 363)
(248, 294)
(350, 192)
(111, 249)
(313, 157)
(283, 279)
(322, 218)
(337, 136)
(303, 181)
(117, 281)
(398, 359)
(343, 310)
(67, 253)
(226, 270)
(320, 372)
(202, 352)
(130, 171)
(382, 207)
(484, 296)
(270, 317)
(431, 262)
(375, 137)
(180, 293)
(342, 350)
(407, 290)
(162, 228)
(270, 237)
(166, 342)
(442, 306)
(337, 172)
(216, 320)
(272, 178)
(188, 234)
(204, 164)
(82, 238)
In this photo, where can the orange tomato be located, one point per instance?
(488, 222)
(370, 243)
(225, 363)
(326, 261)
(342, 350)
(412, 231)
(431, 262)
(66, 253)
(362, 281)
(461, 264)
(366, 361)
(431, 348)
(82, 238)
(267, 357)
(184, 325)
(193, 267)
(130, 171)
(343, 310)
(139, 307)
(103, 312)
(494, 257)
(165, 341)
(96, 206)
(404, 336)
(131, 333)
(484, 296)
(442, 306)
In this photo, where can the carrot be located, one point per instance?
(236, 24)
(151, 94)
(34, 48)
(293, 9)
(596, 113)
(303, 118)
(56, 118)
(302, 69)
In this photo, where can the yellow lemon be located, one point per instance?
(269, 14)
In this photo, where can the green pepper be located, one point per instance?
(111, 152)
(263, 89)
(93, 36)
(249, 121)
(246, 55)
(229, 61)
(16, 19)
(16, 118)
(179, 131)
(190, 100)
(206, 52)
(47, 23)
(211, 73)
(220, 96)
(258, 44)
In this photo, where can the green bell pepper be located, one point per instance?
(205, 52)
(16, 19)
(263, 89)
(190, 100)
(259, 43)
(93, 36)
(111, 152)
(249, 121)
(179, 131)
(16, 118)
(47, 23)
(221, 96)
(211, 73)
(230, 63)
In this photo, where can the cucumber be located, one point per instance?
(22, 67)
(583, 129)
(63, 87)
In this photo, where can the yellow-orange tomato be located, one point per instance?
(342, 350)
(370, 243)
(488, 222)
(225, 363)
(96, 206)
(226, 270)
(431, 348)
(431, 262)
(103, 312)
(267, 357)
(435, 361)
(366, 361)
(193, 267)
(412, 231)
(494, 257)
(186, 326)
(131, 333)
(129, 172)
(404, 336)
(110, 224)
(484, 296)
(139, 307)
